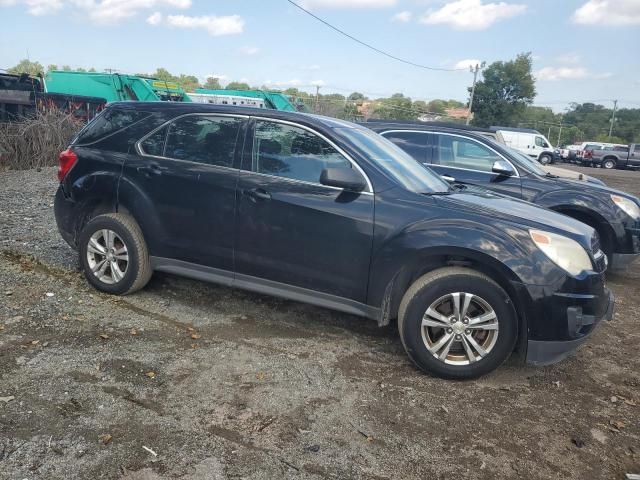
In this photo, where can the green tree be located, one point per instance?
(66, 68)
(397, 107)
(504, 92)
(52, 67)
(212, 83)
(238, 86)
(189, 83)
(27, 66)
(356, 96)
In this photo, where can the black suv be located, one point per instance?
(330, 213)
(467, 157)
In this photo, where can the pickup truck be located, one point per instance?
(615, 157)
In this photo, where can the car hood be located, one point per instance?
(499, 207)
(593, 188)
(572, 175)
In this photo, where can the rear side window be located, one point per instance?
(414, 143)
(203, 139)
(110, 121)
(292, 152)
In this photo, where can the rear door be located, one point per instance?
(187, 171)
(414, 143)
(471, 161)
(634, 155)
(290, 228)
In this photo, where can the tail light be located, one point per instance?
(66, 160)
(588, 154)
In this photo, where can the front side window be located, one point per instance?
(414, 143)
(540, 142)
(464, 153)
(292, 152)
(203, 139)
(154, 144)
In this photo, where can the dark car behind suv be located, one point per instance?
(470, 158)
(327, 212)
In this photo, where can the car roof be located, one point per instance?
(474, 132)
(183, 108)
(378, 124)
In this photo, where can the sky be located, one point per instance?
(583, 50)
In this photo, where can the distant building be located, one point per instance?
(459, 112)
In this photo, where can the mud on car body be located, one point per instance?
(329, 213)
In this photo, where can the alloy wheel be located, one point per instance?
(107, 256)
(460, 328)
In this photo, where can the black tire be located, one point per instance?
(609, 163)
(431, 287)
(138, 268)
(545, 159)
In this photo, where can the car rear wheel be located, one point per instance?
(545, 159)
(609, 163)
(114, 255)
(457, 323)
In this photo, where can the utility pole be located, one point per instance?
(559, 133)
(473, 88)
(613, 117)
(317, 97)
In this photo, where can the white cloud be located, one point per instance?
(471, 62)
(608, 12)
(402, 17)
(216, 26)
(317, 83)
(154, 19)
(310, 4)
(249, 50)
(472, 14)
(99, 11)
(561, 73)
(311, 67)
(43, 7)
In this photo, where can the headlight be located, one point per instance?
(564, 252)
(629, 207)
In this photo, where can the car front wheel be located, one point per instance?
(114, 255)
(457, 323)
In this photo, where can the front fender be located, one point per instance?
(499, 247)
(601, 210)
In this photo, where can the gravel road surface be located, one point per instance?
(190, 380)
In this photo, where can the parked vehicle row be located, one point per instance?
(331, 213)
(616, 156)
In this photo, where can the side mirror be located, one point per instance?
(342, 177)
(502, 167)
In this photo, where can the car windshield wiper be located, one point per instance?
(459, 186)
(551, 175)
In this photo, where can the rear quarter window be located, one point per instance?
(110, 121)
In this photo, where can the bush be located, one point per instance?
(37, 141)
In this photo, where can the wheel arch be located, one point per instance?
(595, 221)
(456, 256)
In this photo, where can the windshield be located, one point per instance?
(395, 162)
(530, 163)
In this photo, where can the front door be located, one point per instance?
(470, 161)
(293, 230)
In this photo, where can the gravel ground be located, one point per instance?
(191, 380)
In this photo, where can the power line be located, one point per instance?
(371, 47)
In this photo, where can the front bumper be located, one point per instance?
(579, 325)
